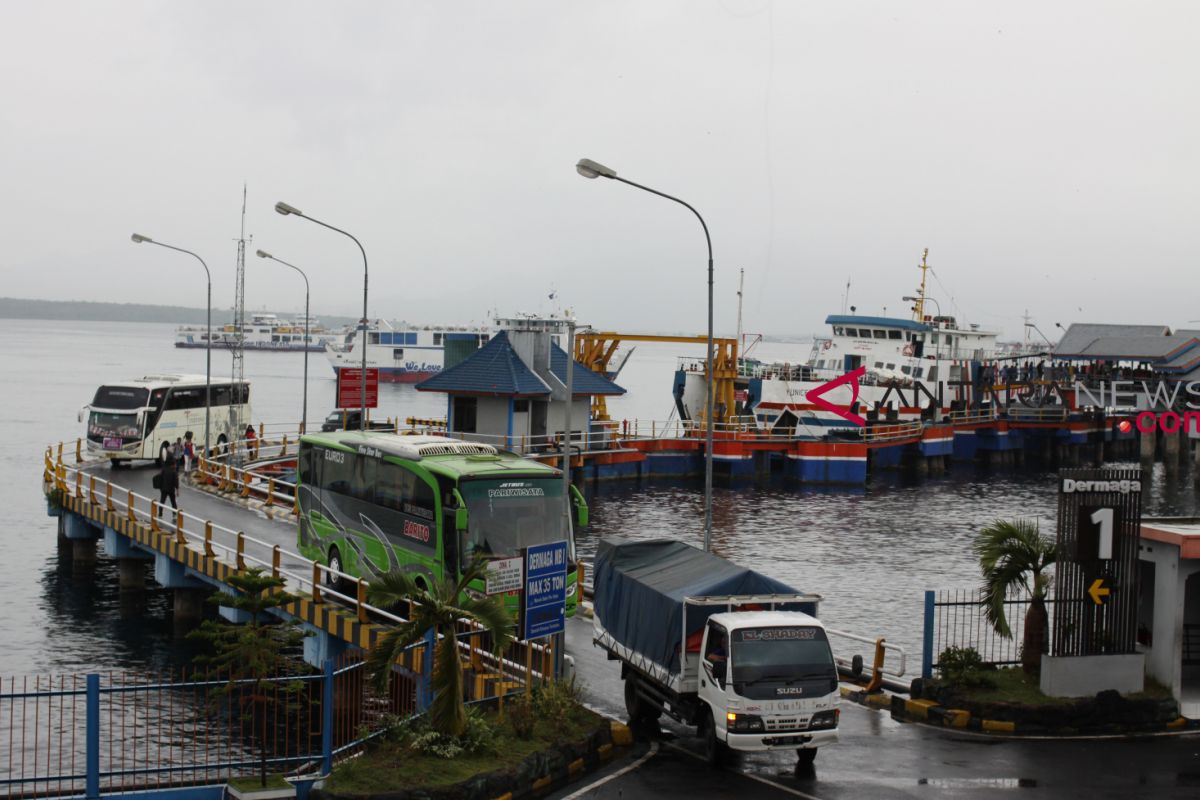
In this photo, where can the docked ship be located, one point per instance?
(262, 332)
(405, 354)
(919, 368)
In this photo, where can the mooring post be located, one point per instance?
(927, 638)
(327, 719)
(92, 785)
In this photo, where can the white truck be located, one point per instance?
(711, 644)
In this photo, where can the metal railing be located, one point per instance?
(69, 735)
(1019, 412)
(956, 618)
(881, 669)
(972, 416)
(892, 431)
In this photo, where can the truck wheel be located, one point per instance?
(714, 748)
(638, 709)
(805, 757)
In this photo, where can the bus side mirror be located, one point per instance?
(581, 509)
(460, 519)
(82, 414)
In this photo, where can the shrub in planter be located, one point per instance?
(962, 667)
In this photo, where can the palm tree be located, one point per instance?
(1014, 553)
(439, 609)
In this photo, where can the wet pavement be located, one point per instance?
(878, 757)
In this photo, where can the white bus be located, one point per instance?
(140, 418)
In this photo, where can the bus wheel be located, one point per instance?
(335, 581)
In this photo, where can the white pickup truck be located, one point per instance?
(733, 652)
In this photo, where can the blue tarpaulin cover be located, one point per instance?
(640, 586)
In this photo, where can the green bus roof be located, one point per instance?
(453, 458)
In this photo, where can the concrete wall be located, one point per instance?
(491, 418)
(581, 414)
(1164, 658)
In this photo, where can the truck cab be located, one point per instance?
(769, 681)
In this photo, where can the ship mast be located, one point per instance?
(239, 313)
(919, 308)
(741, 280)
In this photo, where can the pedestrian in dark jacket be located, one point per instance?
(168, 483)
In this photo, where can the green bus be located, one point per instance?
(371, 503)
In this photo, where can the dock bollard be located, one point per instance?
(275, 561)
(316, 584)
(271, 490)
(241, 551)
(154, 516)
(362, 600)
(108, 501)
(179, 535)
(208, 548)
(129, 507)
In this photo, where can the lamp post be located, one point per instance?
(304, 404)
(285, 210)
(138, 239)
(590, 169)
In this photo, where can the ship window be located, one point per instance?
(918, 372)
(933, 338)
(894, 335)
(437, 340)
(839, 331)
(372, 338)
(852, 332)
(880, 334)
(398, 353)
(878, 365)
(933, 373)
(410, 338)
(891, 366)
(907, 370)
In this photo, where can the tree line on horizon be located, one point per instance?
(90, 311)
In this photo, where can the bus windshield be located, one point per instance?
(120, 398)
(113, 430)
(507, 514)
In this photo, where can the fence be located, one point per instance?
(956, 618)
(68, 735)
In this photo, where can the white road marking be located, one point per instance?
(624, 770)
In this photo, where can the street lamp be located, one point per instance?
(138, 239)
(590, 169)
(285, 210)
(304, 405)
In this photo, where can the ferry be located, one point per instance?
(262, 332)
(404, 354)
(913, 369)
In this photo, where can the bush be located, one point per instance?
(556, 702)
(522, 716)
(963, 667)
(478, 738)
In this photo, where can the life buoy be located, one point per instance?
(909, 349)
(827, 345)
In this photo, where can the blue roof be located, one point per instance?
(496, 370)
(880, 322)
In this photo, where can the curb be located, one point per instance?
(930, 712)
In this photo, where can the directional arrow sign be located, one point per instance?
(1098, 592)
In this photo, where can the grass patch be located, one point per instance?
(250, 783)
(392, 765)
(1017, 688)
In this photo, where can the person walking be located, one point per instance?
(168, 483)
(251, 442)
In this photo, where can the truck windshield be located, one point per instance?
(507, 514)
(781, 653)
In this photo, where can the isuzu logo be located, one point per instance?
(789, 690)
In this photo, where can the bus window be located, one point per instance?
(183, 399)
(362, 479)
(221, 395)
(308, 467)
(336, 471)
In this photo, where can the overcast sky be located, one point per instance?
(1044, 152)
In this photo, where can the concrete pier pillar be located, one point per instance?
(921, 465)
(131, 574)
(187, 608)
(83, 551)
(1147, 442)
(1171, 451)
